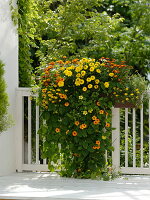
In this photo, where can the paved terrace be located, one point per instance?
(48, 186)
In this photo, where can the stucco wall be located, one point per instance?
(9, 56)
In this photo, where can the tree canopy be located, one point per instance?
(51, 29)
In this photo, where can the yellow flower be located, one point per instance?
(111, 74)
(78, 75)
(125, 94)
(77, 83)
(84, 60)
(83, 73)
(68, 73)
(98, 71)
(71, 67)
(44, 95)
(61, 83)
(103, 137)
(78, 69)
(80, 97)
(88, 79)
(78, 79)
(96, 86)
(85, 67)
(127, 88)
(102, 64)
(44, 90)
(92, 78)
(81, 81)
(127, 99)
(90, 110)
(84, 89)
(92, 69)
(97, 81)
(106, 84)
(94, 117)
(85, 112)
(90, 86)
(91, 64)
(131, 94)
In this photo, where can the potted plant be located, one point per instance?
(133, 92)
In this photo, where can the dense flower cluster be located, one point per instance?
(77, 97)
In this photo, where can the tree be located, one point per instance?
(50, 29)
(4, 117)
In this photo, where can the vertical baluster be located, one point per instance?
(149, 133)
(44, 160)
(106, 156)
(37, 135)
(29, 131)
(134, 138)
(126, 137)
(141, 128)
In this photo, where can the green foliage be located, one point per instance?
(116, 29)
(5, 121)
(80, 28)
(76, 98)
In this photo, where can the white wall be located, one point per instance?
(9, 56)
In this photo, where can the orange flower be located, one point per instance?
(75, 154)
(95, 147)
(98, 103)
(98, 142)
(101, 111)
(74, 133)
(52, 63)
(57, 130)
(75, 60)
(63, 96)
(82, 126)
(60, 62)
(66, 104)
(95, 122)
(76, 123)
(107, 124)
(98, 120)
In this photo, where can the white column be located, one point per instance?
(116, 139)
(9, 56)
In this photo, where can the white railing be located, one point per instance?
(135, 156)
(27, 158)
(128, 138)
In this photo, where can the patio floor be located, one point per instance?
(48, 186)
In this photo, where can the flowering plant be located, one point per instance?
(76, 98)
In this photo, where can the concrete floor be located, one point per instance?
(51, 187)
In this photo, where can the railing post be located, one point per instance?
(116, 139)
(19, 130)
